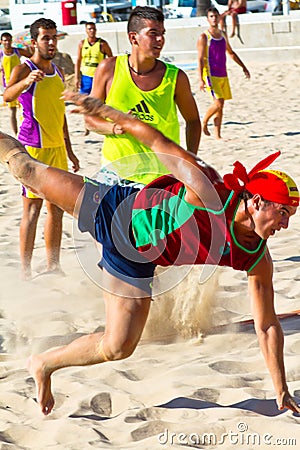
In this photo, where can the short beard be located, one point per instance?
(47, 57)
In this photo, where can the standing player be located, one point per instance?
(91, 51)
(212, 47)
(151, 90)
(39, 84)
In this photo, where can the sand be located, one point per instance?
(197, 379)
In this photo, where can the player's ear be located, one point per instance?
(132, 35)
(256, 201)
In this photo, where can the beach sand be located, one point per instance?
(198, 378)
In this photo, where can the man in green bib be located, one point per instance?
(151, 90)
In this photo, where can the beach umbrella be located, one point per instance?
(23, 38)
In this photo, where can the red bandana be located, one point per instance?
(272, 185)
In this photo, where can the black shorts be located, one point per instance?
(106, 214)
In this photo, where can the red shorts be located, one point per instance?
(241, 10)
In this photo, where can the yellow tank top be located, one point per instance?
(123, 153)
(43, 111)
(8, 62)
(91, 57)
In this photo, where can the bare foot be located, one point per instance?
(87, 132)
(220, 138)
(232, 35)
(51, 270)
(55, 270)
(26, 273)
(205, 129)
(42, 380)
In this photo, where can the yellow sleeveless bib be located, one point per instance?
(91, 57)
(127, 156)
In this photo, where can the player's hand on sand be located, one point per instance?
(287, 401)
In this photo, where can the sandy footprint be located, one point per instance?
(101, 404)
(153, 428)
(98, 408)
(144, 415)
(230, 367)
(207, 394)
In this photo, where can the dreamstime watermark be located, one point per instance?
(240, 437)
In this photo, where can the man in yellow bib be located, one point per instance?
(91, 51)
(151, 90)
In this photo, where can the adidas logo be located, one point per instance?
(141, 111)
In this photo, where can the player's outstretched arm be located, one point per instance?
(182, 164)
(268, 329)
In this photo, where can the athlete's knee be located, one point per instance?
(22, 166)
(114, 350)
(219, 103)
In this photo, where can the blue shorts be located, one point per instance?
(86, 84)
(106, 214)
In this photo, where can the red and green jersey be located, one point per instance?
(170, 231)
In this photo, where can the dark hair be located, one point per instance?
(6, 35)
(213, 10)
(46, 24)
(246, 195)
(136, 21)
(90, 23)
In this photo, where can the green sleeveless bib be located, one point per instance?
(123, 153)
